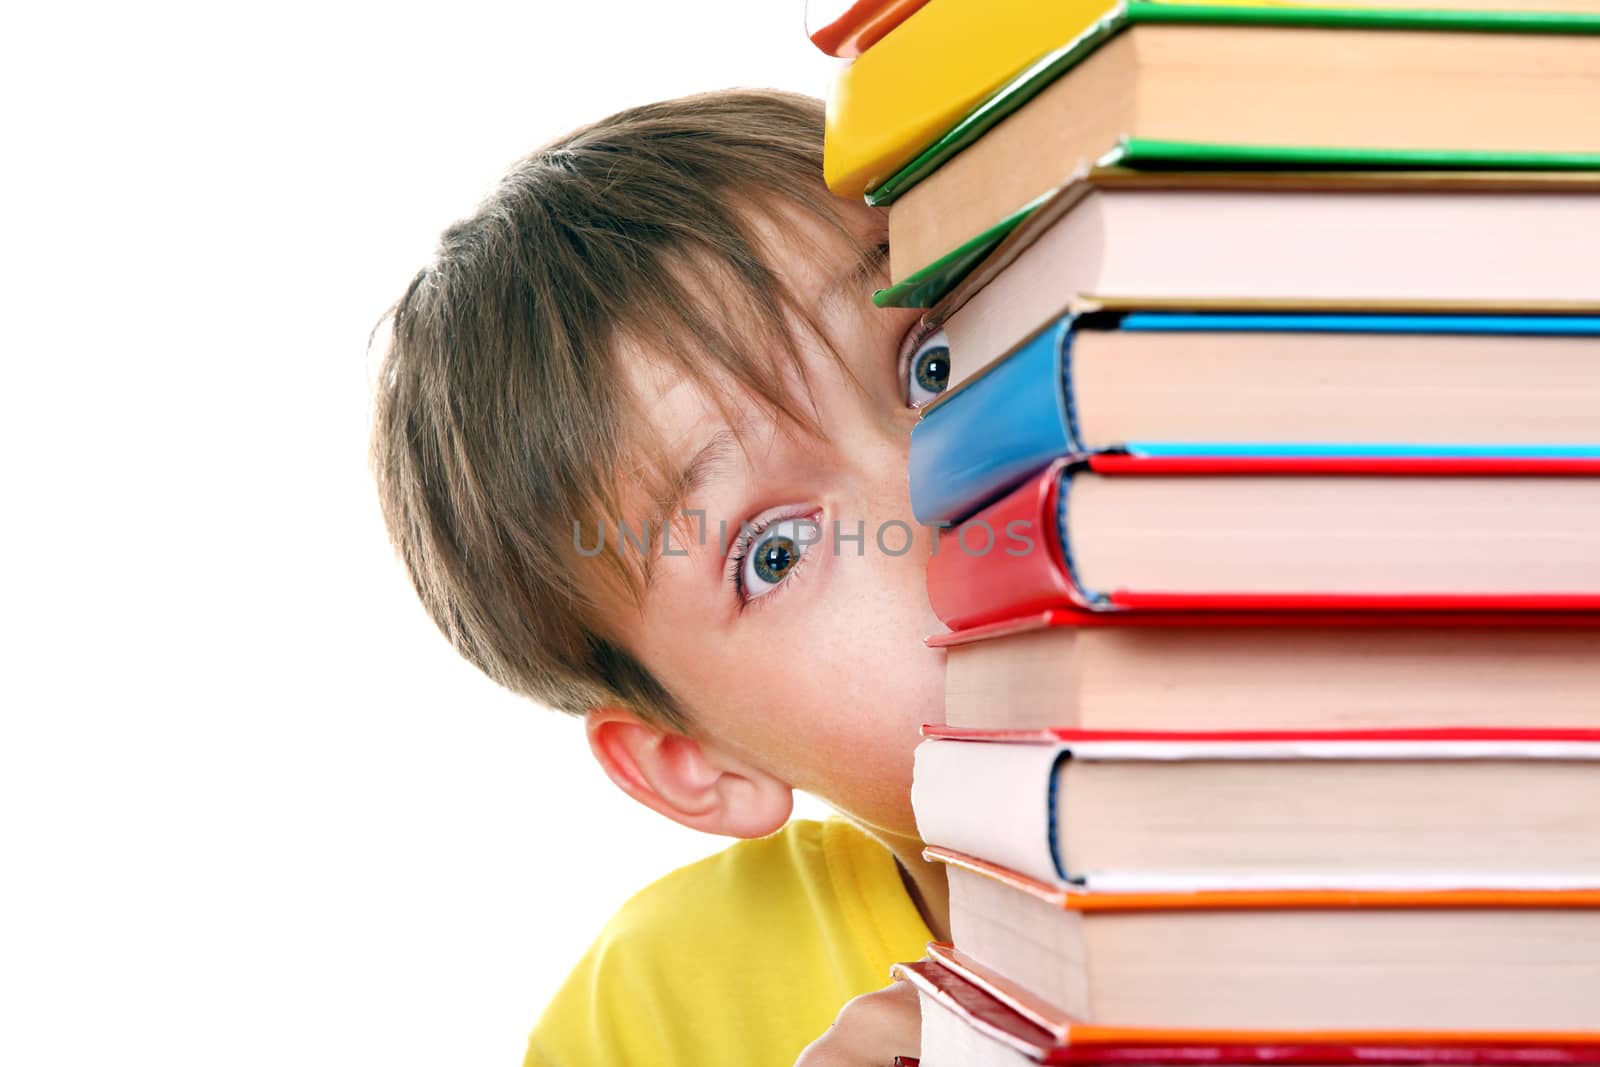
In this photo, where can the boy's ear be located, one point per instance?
(698, 783)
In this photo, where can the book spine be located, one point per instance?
(1012, 559)
(994, 800)
(846, 30)
(992, 433)
(951, 981)
(1006, 560)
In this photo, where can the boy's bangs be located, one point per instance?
(722, 319)
(507, 426)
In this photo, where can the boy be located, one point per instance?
(641, 442)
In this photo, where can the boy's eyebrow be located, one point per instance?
(869, 262)
(714, 458)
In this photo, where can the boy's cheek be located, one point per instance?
(838, 710)
(826, 686)
(873, 654)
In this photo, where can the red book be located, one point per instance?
(972, 1017)
(1213, 671)
(846, 28)
(1276, 534)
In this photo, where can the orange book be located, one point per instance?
(847, 28)
(1481, 962)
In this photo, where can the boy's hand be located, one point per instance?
(871, 1031)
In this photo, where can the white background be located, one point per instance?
(253, 808)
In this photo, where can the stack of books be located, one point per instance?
(1269, 478)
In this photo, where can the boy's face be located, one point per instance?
(799, 649)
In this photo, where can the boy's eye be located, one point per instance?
(773, 554)
(926, 367)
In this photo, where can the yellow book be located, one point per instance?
(916, 83)
(935, 67)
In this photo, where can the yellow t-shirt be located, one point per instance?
(740, 960)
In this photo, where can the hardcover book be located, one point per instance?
(1140, 810)
(1113, 532)
(1361, 235)
(1174, 670)
(1477, 961)
(1389, 360)
(948, 57)
(973, 1018)
(1164, 382)
(847, 28)
(940, 63)
(1302, 86)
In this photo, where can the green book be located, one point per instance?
(1035, 78)
(1158, 165)
(975, 210)
(924, 288)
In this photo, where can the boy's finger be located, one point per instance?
(871, 1031)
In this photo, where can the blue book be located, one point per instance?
(1219, 384)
